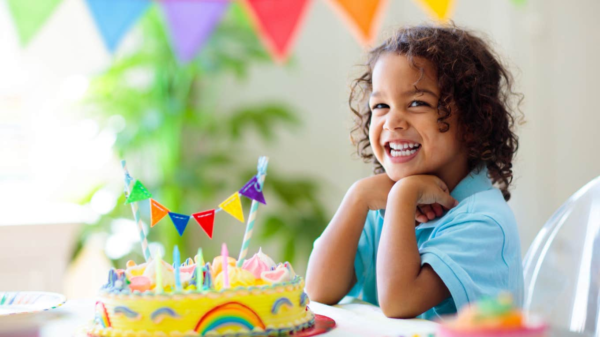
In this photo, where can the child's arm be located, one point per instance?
(405, 289)
(330, 273)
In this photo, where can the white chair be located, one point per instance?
(562, 266)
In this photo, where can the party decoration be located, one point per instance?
(233, 206)
(160, 314)
(138, 193)
(278, 23)
(199, 270)
(180, 221)
(440, 10)
(157, 212)
(176, 261)
(191, 23)
(114, 18)
(362, 17)
(281, 302)
(225, 256)
(136, 212)
(30, 15)
(254, 188)
(225, 315)
(206, 220)
(125, 311)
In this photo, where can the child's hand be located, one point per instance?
(426, 190)
(425, 212)
(373, 191)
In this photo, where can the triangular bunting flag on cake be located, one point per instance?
(278, 23)
(363, 17)
(30, 15)
(233, 206)
(157, 212)
(191, 24)
(180, 221)
(253, 191)
(114, 18)
(440, 10)
(138, 192)
(206, 220)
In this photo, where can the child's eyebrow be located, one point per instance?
(409, 92)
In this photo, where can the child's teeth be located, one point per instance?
(396, 153)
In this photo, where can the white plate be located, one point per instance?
(19, 309)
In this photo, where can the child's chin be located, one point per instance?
(396, 176)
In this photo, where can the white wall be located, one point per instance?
(555, 44)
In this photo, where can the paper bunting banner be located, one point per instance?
(138, 192)
(278, 23)
(440, 10)
(206, 220)
(191, 23)
(30, 15)
(114, 18)
(233, 206)
(363, 17)
(180, 221)
(157, 212)
(252, 190)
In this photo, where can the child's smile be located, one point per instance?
(405, 133)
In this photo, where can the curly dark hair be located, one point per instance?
(471, 78)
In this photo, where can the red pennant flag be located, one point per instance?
(278, 23)
(206, 220)
(363, 17)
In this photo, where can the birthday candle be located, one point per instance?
(157, 272)
(199, 270)
(176, 261)
(225, 257)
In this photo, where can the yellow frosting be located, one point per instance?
(238, 277)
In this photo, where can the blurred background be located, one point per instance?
(75, 100)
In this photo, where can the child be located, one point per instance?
(434, 114)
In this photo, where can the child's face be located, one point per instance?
(404, 132)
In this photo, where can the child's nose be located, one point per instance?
(396, 120)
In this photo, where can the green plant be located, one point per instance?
(186, 150)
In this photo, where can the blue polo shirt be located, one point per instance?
(474, 248)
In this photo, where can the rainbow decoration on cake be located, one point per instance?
(127, 312)
(284, 301)
(227, 316)
(101, 315)
(159, 314)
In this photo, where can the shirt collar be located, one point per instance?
(476, 181)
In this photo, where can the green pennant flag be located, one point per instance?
(138, 192)
(30, 15)
(521, 3)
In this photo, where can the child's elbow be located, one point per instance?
(319, 294)
(397, 309)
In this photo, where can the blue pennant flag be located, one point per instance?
(114, 18)
(180, 221)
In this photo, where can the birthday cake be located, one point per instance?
(260, 298)
(493, 317)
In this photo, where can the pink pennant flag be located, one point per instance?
(191, 22)
(278, 23)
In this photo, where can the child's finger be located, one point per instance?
(419, 215)
(437, 208)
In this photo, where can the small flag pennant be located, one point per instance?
(363, 17)
(114, 18)
(278, 23)
(191, 24)
(253, 191)
(30, 15)
(440, 10)
(180, 221)
(138, 192)
(157, 212)
(206, 220)
(233, 206)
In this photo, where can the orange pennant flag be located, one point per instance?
(233, 206)
(157, 212)
(362, 16)
(278, 23)
(440, 10)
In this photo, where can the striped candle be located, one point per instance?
(262, 172)
(136, 212)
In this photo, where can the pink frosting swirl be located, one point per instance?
(255, 265)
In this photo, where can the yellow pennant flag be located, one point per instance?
(362, 16)
(440, 10)
(233, 206)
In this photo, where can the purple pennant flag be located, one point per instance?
(253, 191)
(190, 23)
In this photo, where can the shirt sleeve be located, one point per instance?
(467, 254)
(365, 261)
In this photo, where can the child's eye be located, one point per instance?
(417, 104)
(380, 106)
